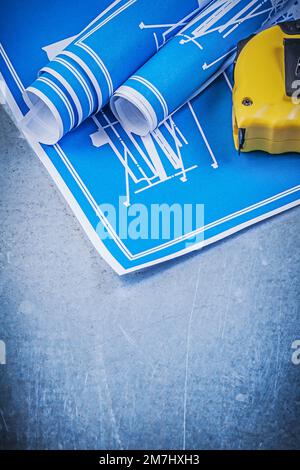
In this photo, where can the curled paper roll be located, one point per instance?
(82, 78)
(190, 61)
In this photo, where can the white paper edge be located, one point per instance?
(137, 100)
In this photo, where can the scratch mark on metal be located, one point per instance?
(126, 335)
(86, 379)
(132, 342)
(110, 405)
(4, 422)
(188, 340)
(227, 306)
(277, 364)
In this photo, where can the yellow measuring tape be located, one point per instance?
(266, 95)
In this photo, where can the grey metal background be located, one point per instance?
(195, 353)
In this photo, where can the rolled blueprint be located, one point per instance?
(190, 61)
(81, 79)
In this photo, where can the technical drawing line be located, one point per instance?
(163, 143)
(175, 175)
(148, 142)
(142, 154)
(114, 130)
(12, 69)
(171, 27)
(178, 132)
(114, 148)
(206, 66)
(184, 178)
(228, 81)
(187, 39)
(215, 163)
(101, 15)
(107, 20)
(127, 203)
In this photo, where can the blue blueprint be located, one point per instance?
(190, 160)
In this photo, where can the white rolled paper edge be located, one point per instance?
(133, 111)
(42, 123)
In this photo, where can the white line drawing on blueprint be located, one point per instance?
(141, 156)
(151, 160)
(162, 33)
(165, 31)
(117, 8)
(213, 23)
(52, 50)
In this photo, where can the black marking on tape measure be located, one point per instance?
(291, 63)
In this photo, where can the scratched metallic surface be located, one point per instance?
(196, 353)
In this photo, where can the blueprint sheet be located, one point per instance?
(189, 161)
